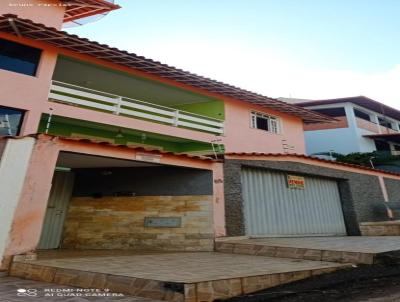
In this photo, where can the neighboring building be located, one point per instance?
(104, 149)
(363, 125)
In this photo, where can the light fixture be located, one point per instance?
(119, 134)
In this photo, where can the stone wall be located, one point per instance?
(383, 228)
(360, 193)
(118, 223)
(393, 189)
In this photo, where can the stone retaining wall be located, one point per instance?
(118, 223)
(384, 228)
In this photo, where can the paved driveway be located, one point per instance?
(21, 290)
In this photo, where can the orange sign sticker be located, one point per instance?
(296, 182)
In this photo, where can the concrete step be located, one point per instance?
(3, 274)
(179, 277)
(357, 250)
(380, 228)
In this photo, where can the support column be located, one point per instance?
(30, 210)
(15, 155)
(219, 200)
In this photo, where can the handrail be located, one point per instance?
(85, 88)
(136, 100)
(116, 104)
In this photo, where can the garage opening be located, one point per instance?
(108, 203)
(283, 204)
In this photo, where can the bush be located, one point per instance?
(364, 159)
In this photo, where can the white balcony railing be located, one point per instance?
(119, 105)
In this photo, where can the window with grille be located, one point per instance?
(265, 122)
(10, 121)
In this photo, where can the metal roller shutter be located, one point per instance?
(271, 208)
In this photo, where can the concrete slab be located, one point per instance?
(362, 249)
(360, 244)
(194, 277)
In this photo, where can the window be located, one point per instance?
(385, 123)
(265, 122)
(334, 112)
(362, 115)
(10, 121)
(19, 58)
(382, 145)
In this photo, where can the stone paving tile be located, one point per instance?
(360, 244)
(193, 267)
(10, 285)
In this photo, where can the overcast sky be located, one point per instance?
(281, 48)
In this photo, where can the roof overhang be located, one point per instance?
(78, 9)
(361, 101)
(26, 28)
(108, 144)
(393, 137)
(294, 156)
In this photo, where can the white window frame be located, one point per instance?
(274, 122)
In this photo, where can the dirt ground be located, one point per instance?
(377, 283)
(374, 290)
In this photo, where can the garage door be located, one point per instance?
(308, 206)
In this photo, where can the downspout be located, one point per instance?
(385, 197)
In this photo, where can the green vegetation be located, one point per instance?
(365, 159)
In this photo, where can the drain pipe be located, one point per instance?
(385, 197)
(372, 162)
(49, 121)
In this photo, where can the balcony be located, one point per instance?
(91, 99)
(341, 122)
(367, 125)
(373, 127)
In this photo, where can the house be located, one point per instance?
(363, 125)
(105, 149)
(84, 123)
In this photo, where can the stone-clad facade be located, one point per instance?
(382, 228)
(361, 194)
(393, 189)
(118, 223)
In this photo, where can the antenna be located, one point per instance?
(86, 20)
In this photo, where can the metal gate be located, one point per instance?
(272, 208)
(57, 207)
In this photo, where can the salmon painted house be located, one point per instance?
(105, 149)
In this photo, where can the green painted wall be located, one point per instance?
(100, 78)
(69, 127)
(213, 109)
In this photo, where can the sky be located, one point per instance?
(311, 49)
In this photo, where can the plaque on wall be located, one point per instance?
(296, 182)
(162, 222)
(148, 157)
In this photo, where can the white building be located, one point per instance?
(363, 125)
